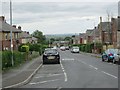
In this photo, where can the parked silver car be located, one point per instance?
(116, 56)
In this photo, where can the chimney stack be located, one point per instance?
(19, 27)
(14, 26)
(2, 18)
(27, 32)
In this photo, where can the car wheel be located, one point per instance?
(44, 62)
(103, 59)
(119, 62)
(58, 62)
(108, 60)
(114, 61)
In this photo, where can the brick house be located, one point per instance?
(118, 33)
(25, 37)
(89, 36)
(114, 26)
(5, 41)
(106, 34)
(82, 37)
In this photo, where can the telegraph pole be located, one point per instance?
(11, 33)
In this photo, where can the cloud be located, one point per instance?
(54, 16)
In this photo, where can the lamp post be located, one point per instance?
(11, 44)
(94, 41)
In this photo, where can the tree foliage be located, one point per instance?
(39, 35)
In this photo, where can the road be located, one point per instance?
(76, 71)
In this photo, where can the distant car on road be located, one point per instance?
(62, 48)
(51, 56)
(75, 49)
(67, 47)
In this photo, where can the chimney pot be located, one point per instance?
(14, 26)
(19, 27)
(27, 32)
(2, 18)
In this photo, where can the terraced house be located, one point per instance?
(5, 41)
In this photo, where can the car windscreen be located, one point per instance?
(51, 52)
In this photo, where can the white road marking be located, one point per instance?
(93, 67)
(83, 62)
(109, 63)
(59, 88)
(109, 74)
(64, 71)
(43, 82)
(69, 59)
(101, 71)
(49, 75)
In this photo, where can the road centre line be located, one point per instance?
(101, 71)
(93, 67)
(109, 74)
(44, 82)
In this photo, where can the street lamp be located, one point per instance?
(94, 41)
(11, 45)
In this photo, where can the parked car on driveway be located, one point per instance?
(51, 56)
(110, 55)
(75, 49)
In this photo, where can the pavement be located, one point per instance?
(21, 75)
(93, 54)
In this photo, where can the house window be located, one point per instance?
(6, 36)
(16, 35)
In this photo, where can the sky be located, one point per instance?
(59, 16)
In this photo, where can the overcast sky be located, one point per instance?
(59, 17)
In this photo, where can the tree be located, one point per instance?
(67, 38)
(39, 35)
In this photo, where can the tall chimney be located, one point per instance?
(19, 27)
(2, 18)
(14, 26)
(27, 32)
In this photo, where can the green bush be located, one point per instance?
(18, 58)
(6, 59)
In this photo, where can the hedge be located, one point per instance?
(18, 58)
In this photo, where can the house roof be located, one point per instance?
(33, 38)
(94, 32)
(5, 27)
(106, 26)
(24, 34)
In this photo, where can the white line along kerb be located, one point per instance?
(64, 71)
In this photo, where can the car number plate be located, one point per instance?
(51, 57)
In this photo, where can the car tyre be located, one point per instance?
(114, 61)
(108, 60)
(119, 62)
(103, 59)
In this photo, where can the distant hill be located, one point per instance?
(58, 35)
